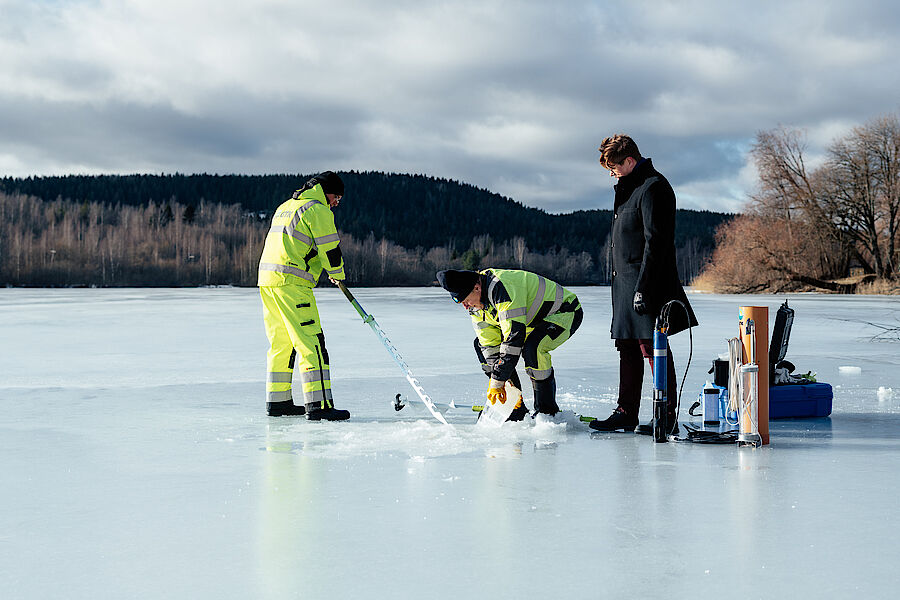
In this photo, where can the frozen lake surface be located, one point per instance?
(137, 461)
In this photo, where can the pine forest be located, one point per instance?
(396, 230)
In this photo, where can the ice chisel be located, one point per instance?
(370, 321)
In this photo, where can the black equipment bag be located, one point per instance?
(781, 333)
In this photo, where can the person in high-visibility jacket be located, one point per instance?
(302, 242)
(516, 313)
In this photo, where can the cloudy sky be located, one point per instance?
(514, 97)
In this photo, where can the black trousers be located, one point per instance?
(632, 354)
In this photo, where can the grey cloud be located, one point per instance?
(511, 97)
(123, 136)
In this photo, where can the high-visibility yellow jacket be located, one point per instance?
(302, 242)
(514, 303)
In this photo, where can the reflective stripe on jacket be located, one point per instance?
(302, 242)
(514, 302)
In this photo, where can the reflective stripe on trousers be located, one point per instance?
(547, 336)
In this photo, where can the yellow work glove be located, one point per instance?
(496, 391)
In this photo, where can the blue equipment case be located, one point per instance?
(793, 401)
(797, 401)
(800, 401)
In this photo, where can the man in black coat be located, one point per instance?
(644, 278)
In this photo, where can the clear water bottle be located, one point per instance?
(710, 405)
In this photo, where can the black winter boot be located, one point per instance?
(518, 414)
(545, 395)
(671, 421)
(619, 419)
(316, 413)
(284, 409)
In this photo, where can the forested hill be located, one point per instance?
(409, 210)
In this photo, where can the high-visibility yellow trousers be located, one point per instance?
(296, 342)
(546, 336)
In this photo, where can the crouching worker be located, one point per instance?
(301, 243)
(516, 313)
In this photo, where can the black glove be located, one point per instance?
(639, 306)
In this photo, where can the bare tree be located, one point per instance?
(851, 197)
(862, 192)
(802, 226)
(884, 144)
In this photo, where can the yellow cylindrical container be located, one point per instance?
(760, 317)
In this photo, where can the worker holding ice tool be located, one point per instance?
(302, 242)
(516, 313)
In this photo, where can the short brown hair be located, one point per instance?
(616, 149)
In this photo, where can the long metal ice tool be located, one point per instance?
(395, 354)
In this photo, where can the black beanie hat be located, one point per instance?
(331, 182)
(459, 283)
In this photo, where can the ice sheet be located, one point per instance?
(137, 461)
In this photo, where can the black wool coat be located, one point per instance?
(643, 255)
